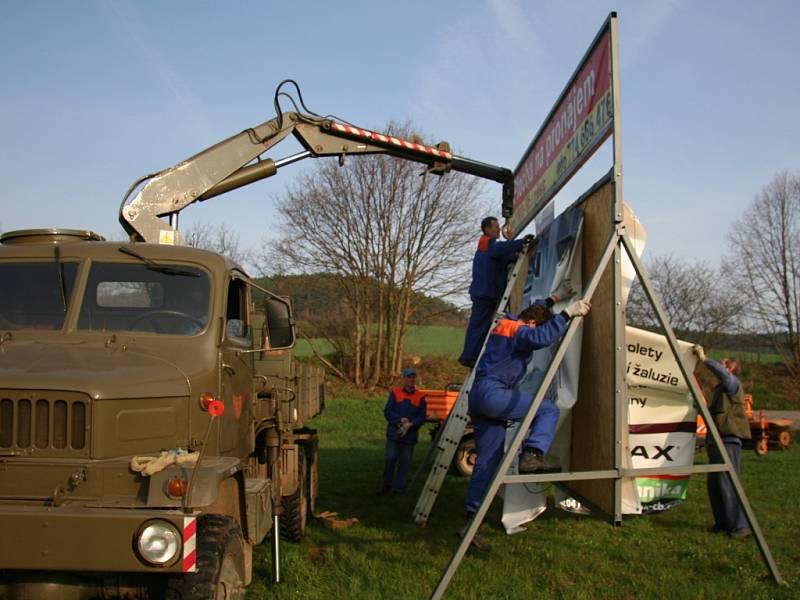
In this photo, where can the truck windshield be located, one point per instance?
(136, 297)
(35, 295)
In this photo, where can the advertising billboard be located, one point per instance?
(582, 118)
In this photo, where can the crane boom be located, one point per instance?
(229, 164)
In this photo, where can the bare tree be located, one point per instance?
(220, 238)
(388, 234)
(694, 295)
(764, 264)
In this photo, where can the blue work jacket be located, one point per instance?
(489, 267)
(511, 345)
(412, 406)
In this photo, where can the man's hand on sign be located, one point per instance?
(579, 308)
(698, 350)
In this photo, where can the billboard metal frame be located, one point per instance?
(615, 249)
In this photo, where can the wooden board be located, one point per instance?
(593, 417)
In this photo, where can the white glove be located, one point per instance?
(404, 426)
(579, 308)
(698, 350)
(563, 291)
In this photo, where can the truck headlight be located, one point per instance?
(158, 542)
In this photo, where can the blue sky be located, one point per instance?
(96, 94)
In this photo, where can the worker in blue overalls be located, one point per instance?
(494, 399)
(489, 266)
(405, 414)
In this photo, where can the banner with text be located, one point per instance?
(661, 421)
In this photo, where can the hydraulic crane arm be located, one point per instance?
(227, 165)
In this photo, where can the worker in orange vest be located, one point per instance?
(405, 414)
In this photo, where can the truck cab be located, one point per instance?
(152, 419)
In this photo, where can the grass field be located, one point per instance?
(386, 555)
(428, 340)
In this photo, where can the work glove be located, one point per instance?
(563, 290)
(579, 308)
(529, 239)
(699, 352)
(404, 426)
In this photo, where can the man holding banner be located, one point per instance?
(728, 411)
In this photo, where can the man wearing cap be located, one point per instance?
(405, 414)
(489, 265)
(494, 399)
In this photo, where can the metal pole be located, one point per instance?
(617, 218)
(276, 550)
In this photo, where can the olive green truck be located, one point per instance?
(112, 353)
(153, 424)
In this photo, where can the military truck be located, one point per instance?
(153, 424)
(111, 353)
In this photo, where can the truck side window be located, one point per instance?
(236, 317)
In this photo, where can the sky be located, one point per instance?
(95, 94)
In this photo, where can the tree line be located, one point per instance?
(752, 295)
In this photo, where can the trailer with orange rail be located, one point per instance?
(765, 432)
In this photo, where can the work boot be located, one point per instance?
(466, 363)
(533, 461)
(385, 489)
(740, 533)
(479, 541)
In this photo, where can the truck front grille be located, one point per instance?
(44, 423)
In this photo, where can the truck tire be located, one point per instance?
(220, 563)
(465, 456)
(295, 507)
(312, 466)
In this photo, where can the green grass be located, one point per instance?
(745, 356)
(435, 340)
(561, 555)
(426, 340)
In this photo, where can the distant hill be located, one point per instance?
(319, 294)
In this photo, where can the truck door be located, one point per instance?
(237, 373)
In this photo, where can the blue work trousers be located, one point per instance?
(397, 456)
(728, 512)
(480, 320)
(490, 407)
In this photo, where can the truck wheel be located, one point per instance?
(466, 456)
(220, 563)
(295, 507)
